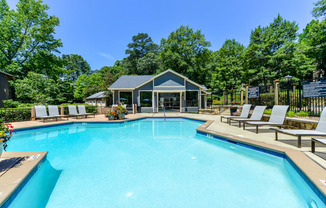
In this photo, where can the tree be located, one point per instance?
(186, 52)
(314, 38)
(75, 66)
(294, 60)
(319, 9)
(149, 64)
(229, 71)
(264, 42)
(37, 88)
(25, 32)
(87, 85)
(141, 45)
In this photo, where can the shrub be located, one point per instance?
(15, 114)
(217, 102)
(268, 112)
(10, 103)
(302, 113)
(290, 113)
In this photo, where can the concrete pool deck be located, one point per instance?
(312, 165)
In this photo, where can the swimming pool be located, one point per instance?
(154, 163)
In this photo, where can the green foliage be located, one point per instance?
(314, 38)
(10, 115)
(302, 114)
(87, 85)
(75, 66)
(186, 52)
(268, 111)
(149, 64)
(37, 88)
(262, 67)
(141, 45)
(229, 68)
(319, 9)
(10, 103)
(27, 34)
(217, 102)
(290, 113)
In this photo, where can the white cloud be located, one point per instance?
(106, 55)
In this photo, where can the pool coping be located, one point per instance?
(311, 171)
(14, 179)
(308, 169)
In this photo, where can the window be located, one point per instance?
(192, 99)
(126, 98)
(146, 99)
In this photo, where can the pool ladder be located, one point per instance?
(164, 113)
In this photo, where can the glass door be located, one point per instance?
(171, 101)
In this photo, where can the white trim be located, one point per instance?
(113, 96)
(199, 94)
(170, 70)
(132, 97)
(122, 89)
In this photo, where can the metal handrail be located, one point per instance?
(164, 113)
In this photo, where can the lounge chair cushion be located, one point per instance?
(244, 113)
(72, 110)
(322, 122)
(261, 123)
(257, 114)
(82, 110)
(278, 114)
(40, 111)
(301, 132)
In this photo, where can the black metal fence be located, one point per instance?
(291, 93)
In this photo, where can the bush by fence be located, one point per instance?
(14, 114)
(25, 114)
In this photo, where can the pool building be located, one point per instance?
(153, 93)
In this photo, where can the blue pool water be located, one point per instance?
(154, 163)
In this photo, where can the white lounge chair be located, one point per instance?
(244, 113)
(319, 131)
(40, 112)
(276, 119)
(73, 111)
(82, 110)
(54, 112)
(257, 115)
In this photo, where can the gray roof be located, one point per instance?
(98, 95)
(130, 81)
(9, 75)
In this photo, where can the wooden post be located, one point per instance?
(224, 97)
(276, 89)
(62, 110)
(294, 87)
(133, 108)
(241, 96)
(100, 111)
(33, 113)
(246, 100)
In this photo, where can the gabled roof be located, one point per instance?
(6, 74)
(130, 81)
(98, 95)
(136, 81)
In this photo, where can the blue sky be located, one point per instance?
(99, 30)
